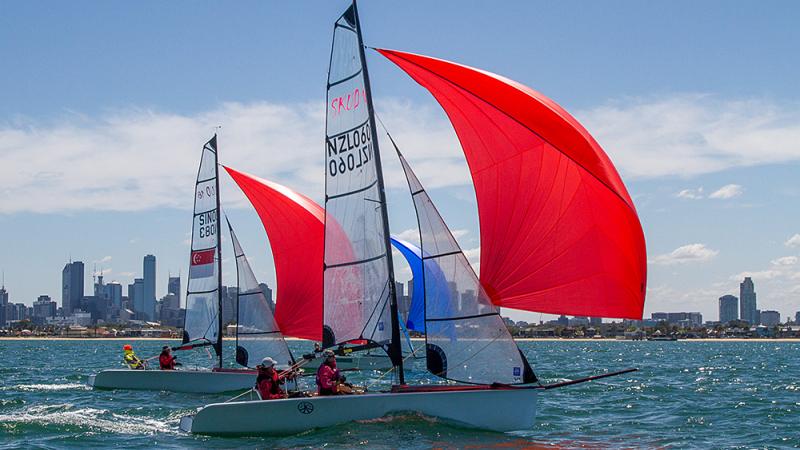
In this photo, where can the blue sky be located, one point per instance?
(105, 108)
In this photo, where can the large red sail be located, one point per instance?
(295, 227)
(559, 232)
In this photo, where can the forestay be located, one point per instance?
(257, 333)
(466, 339)
(203, 302)
(357, 287)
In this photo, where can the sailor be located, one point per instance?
(130, 358)
(268, 383)
(328, 376)
(166, 360)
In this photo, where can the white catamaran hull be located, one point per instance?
(498, 410)
(195, 381)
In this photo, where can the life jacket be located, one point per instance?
(268, 386)
(326, 378)
(131, 360)
(166, 361)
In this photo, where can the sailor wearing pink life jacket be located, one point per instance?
(328, 376)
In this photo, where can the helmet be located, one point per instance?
(328, 353)
(127, 347)
(267, 362)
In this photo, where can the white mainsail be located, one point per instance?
(257, 333)
(203, 301)
(358, 279)
(466, 339)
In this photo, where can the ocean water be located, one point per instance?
(686, 395)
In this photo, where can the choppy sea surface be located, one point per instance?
(686, 395)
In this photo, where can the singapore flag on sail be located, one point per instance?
(202, 263)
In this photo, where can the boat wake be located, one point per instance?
(88, 419)
(45, 387)
(401, 417)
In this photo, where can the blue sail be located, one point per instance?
(436, 284)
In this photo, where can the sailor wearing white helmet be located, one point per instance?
(268, 383)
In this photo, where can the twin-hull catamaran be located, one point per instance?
(559, 234)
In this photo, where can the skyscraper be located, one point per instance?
(3, 303)
(72, 287)
(268, 294)
(747, 302)
(139, 301)
(174, 286)
(728, 308)
(149, 271)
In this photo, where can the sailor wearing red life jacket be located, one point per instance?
(166, 360)
(268, 383)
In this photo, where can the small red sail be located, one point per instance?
(295, 226)
(559, 232)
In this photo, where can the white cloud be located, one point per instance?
(686, 254)
(785, 261)
(688, 134)
(726, 192)
(759, 274)
(141, 159)
(793, 241)
(691, 194)
(104, 259)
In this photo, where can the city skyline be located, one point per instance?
(100, 164)
(729, 307)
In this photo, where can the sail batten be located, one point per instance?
(202, 322)
(559, 231)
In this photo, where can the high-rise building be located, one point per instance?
(114, 293)
(797, 317)
(770, 318)
(43, 309)
(595, 321)
(747, 302)
(728, 308)
(174, 286)
(72, 287)
(149, 289)
(3, 303)
(268, 294)
(138, 299)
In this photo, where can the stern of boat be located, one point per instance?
(186, 423)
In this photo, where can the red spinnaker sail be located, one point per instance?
(295, 227)
(559, 232)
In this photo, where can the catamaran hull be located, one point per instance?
(195, 381)
(498, 410)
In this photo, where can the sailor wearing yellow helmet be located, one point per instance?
(130, 358)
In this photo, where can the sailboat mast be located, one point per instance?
(218, 344)
(395, 346)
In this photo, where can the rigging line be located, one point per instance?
(377, 307)
(391, 370)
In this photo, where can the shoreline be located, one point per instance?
(91, 338)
